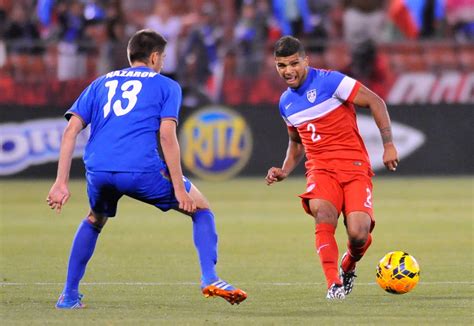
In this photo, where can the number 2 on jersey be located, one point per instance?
(314, 136)
(130, 90)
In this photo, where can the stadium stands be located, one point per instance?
(32, 64)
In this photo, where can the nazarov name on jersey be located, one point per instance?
(131, 73)
(216, 143)
(34, 142)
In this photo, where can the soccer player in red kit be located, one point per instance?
(318, 108)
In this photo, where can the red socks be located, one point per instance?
(355, 254)
(326, 247)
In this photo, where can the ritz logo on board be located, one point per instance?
(216, 143)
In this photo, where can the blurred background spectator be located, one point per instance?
(320, 27)
(164, 21)
(71, 45)
(249, 38)
(23, 43)
(116, 43)
(200, 57)
(419, 18)
(293, 16)
(364, 20)
(460, 18)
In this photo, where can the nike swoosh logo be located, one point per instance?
(288, 105)
(324, 245)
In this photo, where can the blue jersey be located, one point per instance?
(124, 109)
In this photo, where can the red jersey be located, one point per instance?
(322, 112)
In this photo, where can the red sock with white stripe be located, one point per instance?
(326, 247)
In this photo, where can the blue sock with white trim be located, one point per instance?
(82, 249)
(205, 240)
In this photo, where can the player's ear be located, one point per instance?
(153, 58)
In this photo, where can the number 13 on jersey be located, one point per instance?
(129, 90)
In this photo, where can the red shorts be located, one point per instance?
(348, 192)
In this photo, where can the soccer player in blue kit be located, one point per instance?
(126, 109)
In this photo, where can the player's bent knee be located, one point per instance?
(358, 234)
(359, 240)
(200, 200)
(202, 203)
(97, 220)
(358, 224)
(203, 207)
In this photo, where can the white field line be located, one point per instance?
(195, 283)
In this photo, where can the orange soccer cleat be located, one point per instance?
(224, 290)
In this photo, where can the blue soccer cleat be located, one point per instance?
(66, 302)
(224, 290)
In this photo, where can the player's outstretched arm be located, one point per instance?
(59, 192)
(367, 98)
(294, 154)
(170, 146)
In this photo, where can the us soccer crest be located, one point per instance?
(311, 95)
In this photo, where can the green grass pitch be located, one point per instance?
(145, 269)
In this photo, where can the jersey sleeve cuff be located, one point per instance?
(354, 91)
(69, 114)
(170, 118)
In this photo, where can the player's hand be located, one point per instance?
(58, 196)
(275, 175)
(390, 157)
(186, 203)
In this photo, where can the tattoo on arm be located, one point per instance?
(386, 134)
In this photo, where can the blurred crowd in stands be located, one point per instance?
(212, 42)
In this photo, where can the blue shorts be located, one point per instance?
(106, 188)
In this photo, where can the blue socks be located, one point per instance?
(83, 245)
(82, 249)
(205, 240)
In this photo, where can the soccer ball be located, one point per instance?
(398, 272)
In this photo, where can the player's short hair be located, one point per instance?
(143, 43)
(288, 45)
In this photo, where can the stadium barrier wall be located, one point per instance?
(220, 142)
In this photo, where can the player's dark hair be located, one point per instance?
(288, 45)
(143, 43)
